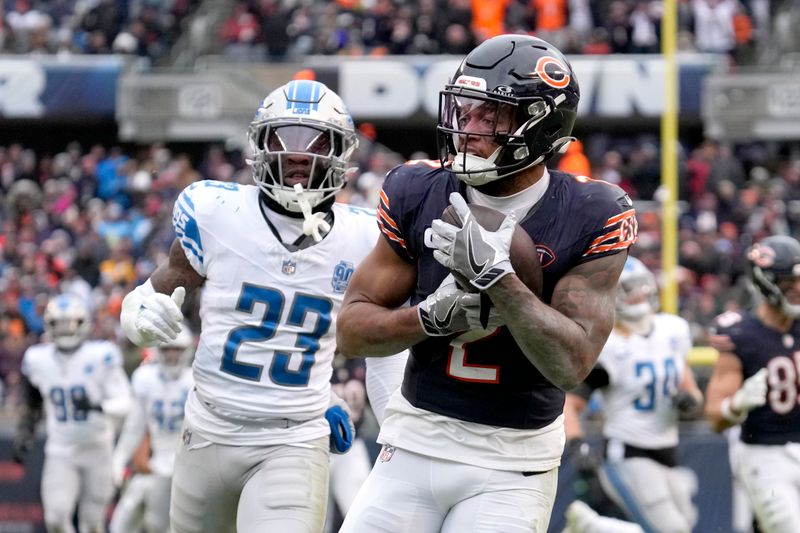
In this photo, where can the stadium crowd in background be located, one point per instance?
(277, 30)
(144, 28)
(273, 30)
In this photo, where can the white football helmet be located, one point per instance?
(176, 355)
(637, 294)
(67, 321)
(301, 133)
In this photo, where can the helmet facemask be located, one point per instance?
(515, 125)
(637, 297)
(176, 355)
(309, 152)
(770, 284)
(67, 322)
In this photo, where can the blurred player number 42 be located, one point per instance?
(784, 100)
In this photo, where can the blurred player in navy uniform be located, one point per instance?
(755, 384)
(473, 439)
(645, 384)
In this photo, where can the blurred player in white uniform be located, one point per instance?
(645, 384)
(755, 384)
(273, 261)
(160, 391)
(82, 385)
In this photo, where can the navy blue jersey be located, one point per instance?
(758, 346)
(489, 380)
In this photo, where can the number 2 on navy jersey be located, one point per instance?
(273, 300)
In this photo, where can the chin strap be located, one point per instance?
(314, 224)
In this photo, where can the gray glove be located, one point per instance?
(480, 255)
(450, 310)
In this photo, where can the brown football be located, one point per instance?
(524, 256)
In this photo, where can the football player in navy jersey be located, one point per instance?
(755, 384)
(472, 440)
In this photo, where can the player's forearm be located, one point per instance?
(369, 330)
(556, 345)
(715, 416)
(133, 431)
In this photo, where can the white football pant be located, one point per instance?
(656, 497)
(411, 493)
(771, 477)
(144, 505)
(249, 489)
(82, 479)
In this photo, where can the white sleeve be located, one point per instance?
(132, 433)
(384, 376)
(116, 387)
(187, 228)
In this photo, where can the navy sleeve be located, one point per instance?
(401, 197)
(612, 227)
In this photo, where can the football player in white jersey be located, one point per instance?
(82, 385)
(273, 261)
(645, 384)
(160, 391)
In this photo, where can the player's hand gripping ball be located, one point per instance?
(523, 254)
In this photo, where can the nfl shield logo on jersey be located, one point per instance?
(289, 267)
(341, 276)
(386, 453)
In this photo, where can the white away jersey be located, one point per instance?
(267, 337)
(162, 401)
(644, 375)
(94, 371)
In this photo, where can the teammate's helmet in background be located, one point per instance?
(176, 355)
(773, 261)
(513, 74)
(67, 322)
(301, 120)
(637, 292)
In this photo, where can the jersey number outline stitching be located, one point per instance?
(669, 386)
(279, 371)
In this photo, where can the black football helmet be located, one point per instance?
(519, 76)
(772, 261)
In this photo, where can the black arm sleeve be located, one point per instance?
(597, 379)
(31, 410)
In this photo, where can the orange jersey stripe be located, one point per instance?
(382, 214)
(617, 218)
(603, 238)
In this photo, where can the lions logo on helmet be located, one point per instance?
(67, 322)
(774, 265)
(301, 134)
(516, 77)
(637, 296)
(176, 355)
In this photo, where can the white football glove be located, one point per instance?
(450, 310)
(149, 317)
(751, 395)
(482, 256)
